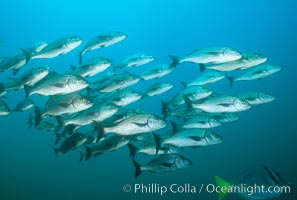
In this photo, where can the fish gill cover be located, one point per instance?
(163, 110)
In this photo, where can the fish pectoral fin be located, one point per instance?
(64, 105)
(250, 99)
(59, 85)
(195, 138)
(117, 99)
(224, 104)
(167, 164)
(259, 72)
(214, 53)
(140, 124)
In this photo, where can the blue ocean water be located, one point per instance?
(266, 134)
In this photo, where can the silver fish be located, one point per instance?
(224, 117)
(190, 138)
(194, 93)
(124, 97)
(206, 78)
(150, 148)
(58, 47)
(103, 40)
(47, 125)
(98, 112)
(29, 78)
(181, 111)
(136, 124)
(109, 144)
(92, 67)
(123, 114)
(58, 85)
(70, 143)
(117, 82)
(12, 63)
(208, 55)
(222, 104)
(203, 121)
(135, 60)
(246, 61)
(258, 72)
(163, 163)
(102, 78)
(157, 89)
(256, 98)
(157, 71)
(65, 104)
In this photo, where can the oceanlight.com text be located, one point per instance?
(247, 189)
(189, 188)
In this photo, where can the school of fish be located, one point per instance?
(87, 106)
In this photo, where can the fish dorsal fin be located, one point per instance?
(175, 127)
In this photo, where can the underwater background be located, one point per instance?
(263, 135)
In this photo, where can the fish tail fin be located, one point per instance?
(27, 91)
(100, 128)
(231, 80)
(184, 84)
(114, 68)
(2, 88)
(175, 60)
(221, 183)
(73, 67)
(30, 122)
(38, 115)
(132, 150)
(143, 95)
(15, 71)
(58, 138)
(81, 56)
(202, 67)
(88, 152)
(61, 122)
(165, 109)
(188, 102)
(56, 150)
(158, 142)
(27, 54)
(137, 168)
(175, 126)
(68, 130)
(81, 156)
